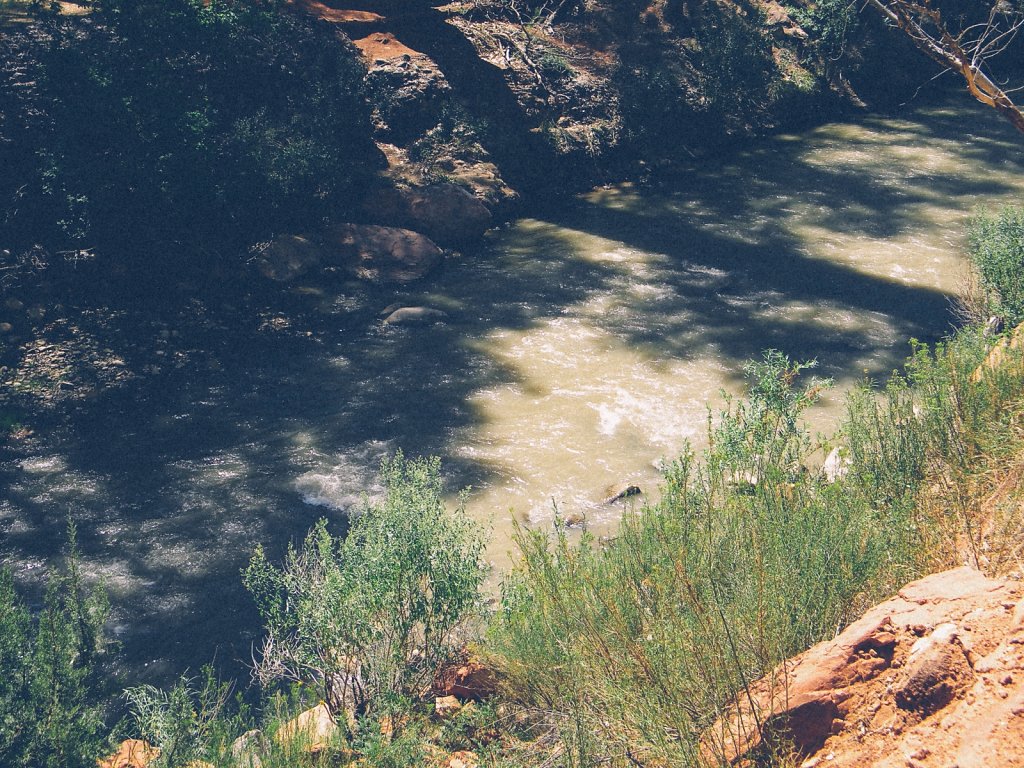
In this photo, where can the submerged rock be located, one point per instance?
(575, 518)
(414, 316)
(621, 491)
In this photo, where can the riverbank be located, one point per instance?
(185, 415)
(749, 557)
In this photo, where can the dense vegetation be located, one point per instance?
(177, 128)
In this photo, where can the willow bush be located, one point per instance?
(370, 617)
(997, 250)
(750, 556)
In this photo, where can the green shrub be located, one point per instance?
(183, 722)
(734, 60)
(50, 712)
(182, 123)
(997, 249)
(370, 617)
(830, 24)
(748, 558)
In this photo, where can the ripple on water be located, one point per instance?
(340, 482)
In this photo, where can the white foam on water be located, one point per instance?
(43, 465)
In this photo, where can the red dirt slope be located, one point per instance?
(932, 677)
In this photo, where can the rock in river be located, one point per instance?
(289, 256)
(381, 254)
(621, 491)
(414, 316)
(447, 213)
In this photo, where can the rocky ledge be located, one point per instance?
(932, 677)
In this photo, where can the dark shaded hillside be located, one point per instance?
(177, 130)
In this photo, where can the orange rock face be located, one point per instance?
(471, 681)
(133, 753)
(934, 676)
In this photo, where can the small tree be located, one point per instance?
(50, 715)
(372, 615)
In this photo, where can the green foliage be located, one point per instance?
(735, 62)
(404, 748)
(830, 24)
(751, 557)
(182, 722)
(50, 715)
(371, 617)
(997, 249)
(747, 559)
(180, 122)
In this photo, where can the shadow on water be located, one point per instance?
(250, 405)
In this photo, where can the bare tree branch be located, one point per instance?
(968, 52)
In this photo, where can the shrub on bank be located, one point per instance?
(178, 127)
(369, 618)
(751, 556)
(997, 250)
(51, 715)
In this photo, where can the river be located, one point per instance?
(581, 348)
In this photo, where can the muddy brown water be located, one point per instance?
(581, 348)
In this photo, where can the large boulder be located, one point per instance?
(407, 88)
(289, 256)
(381, 254)
(447, 213)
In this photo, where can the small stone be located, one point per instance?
(1006, 680)
(314, 728)
(575, 518)
(446, 707)
(6, 327)
(13, 304)
(462, 759)
(132, 753)
(246, 748)
(471, 681)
